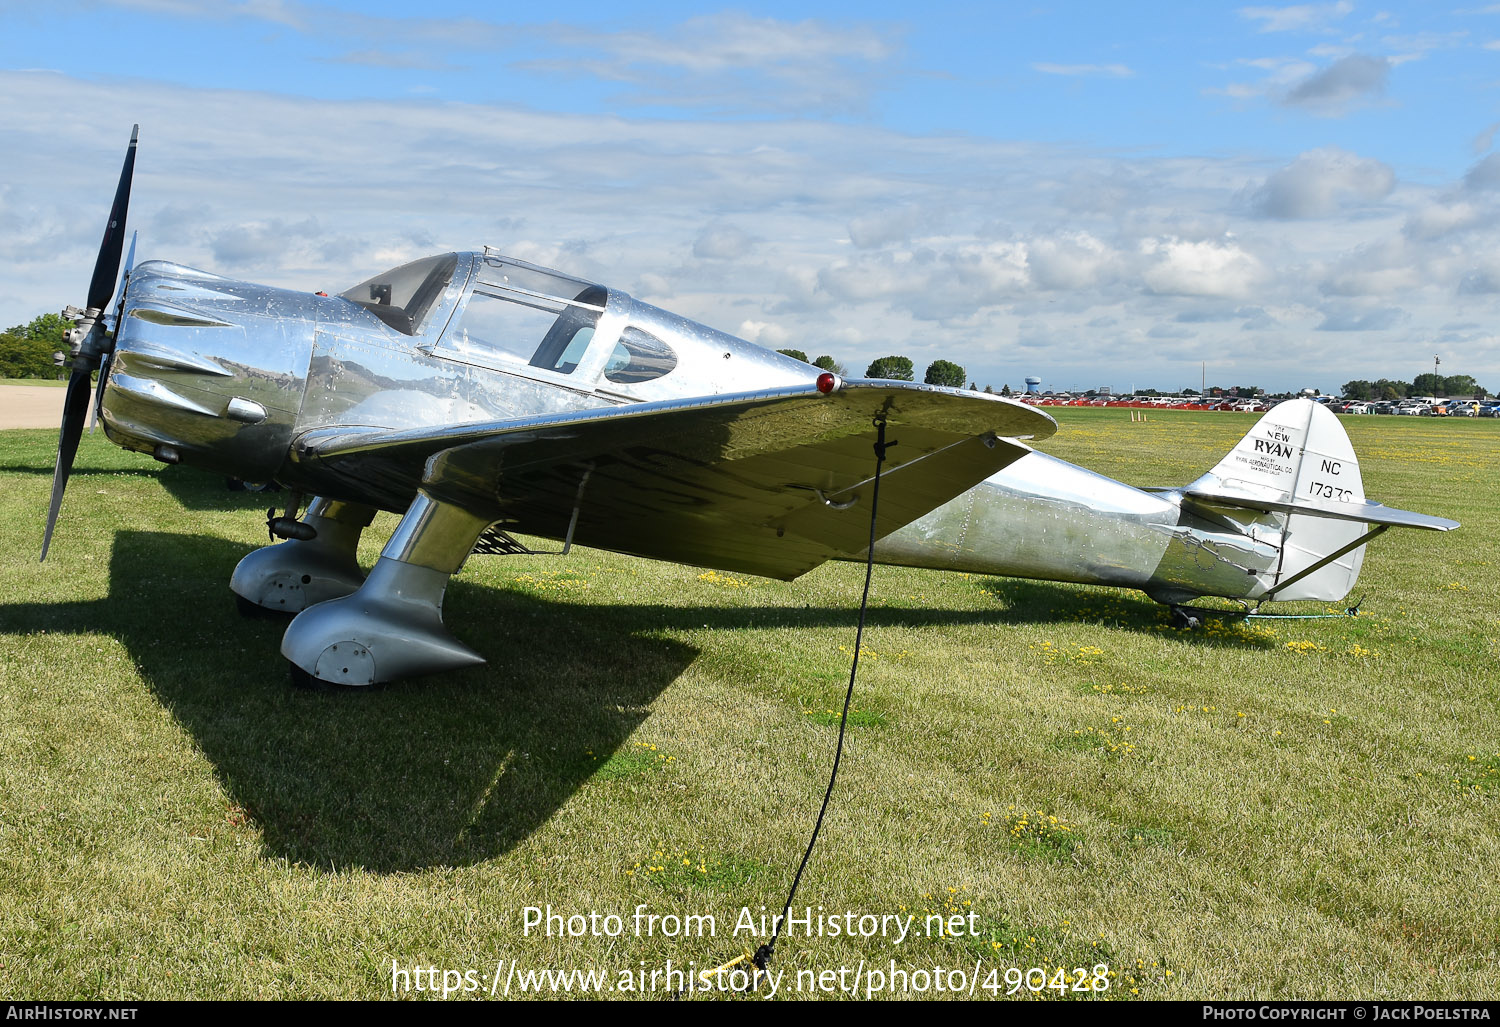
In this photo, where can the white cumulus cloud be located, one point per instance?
(1069, 261)
(1318, 183)
(1199, 268)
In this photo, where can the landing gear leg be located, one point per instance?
(1181, 618)
(392, 626)
(291, 576)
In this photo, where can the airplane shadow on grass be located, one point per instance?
(447, 770)
(1023, 601)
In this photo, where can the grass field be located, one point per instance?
(1292, 809)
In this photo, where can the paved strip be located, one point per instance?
(31, 406)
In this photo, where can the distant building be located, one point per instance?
(1033, 384)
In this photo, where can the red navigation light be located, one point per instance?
(827, 382)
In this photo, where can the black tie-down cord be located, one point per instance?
(763, 954)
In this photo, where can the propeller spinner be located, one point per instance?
(89, 340)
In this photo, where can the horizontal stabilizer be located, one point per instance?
(1366, 511)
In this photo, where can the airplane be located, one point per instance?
(477, 396)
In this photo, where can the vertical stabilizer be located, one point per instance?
(1297, 455)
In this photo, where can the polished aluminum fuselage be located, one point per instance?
(191, 343)
(1048, 519)
(227, 375)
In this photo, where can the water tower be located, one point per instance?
(1033, 385)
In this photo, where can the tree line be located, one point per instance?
(897, 368)
(1430, 384)
(26, 351)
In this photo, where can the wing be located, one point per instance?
(770, 483)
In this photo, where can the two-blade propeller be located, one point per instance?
(90, 342)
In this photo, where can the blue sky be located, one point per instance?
(1099, 194)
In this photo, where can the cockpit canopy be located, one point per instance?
(506, 315)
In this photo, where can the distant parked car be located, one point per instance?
(1489, 410)
(1415, 409)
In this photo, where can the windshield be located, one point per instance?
(402, 297)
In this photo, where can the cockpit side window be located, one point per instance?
(639, 357)
(403, 297)
(568, 338)
(525, 327)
